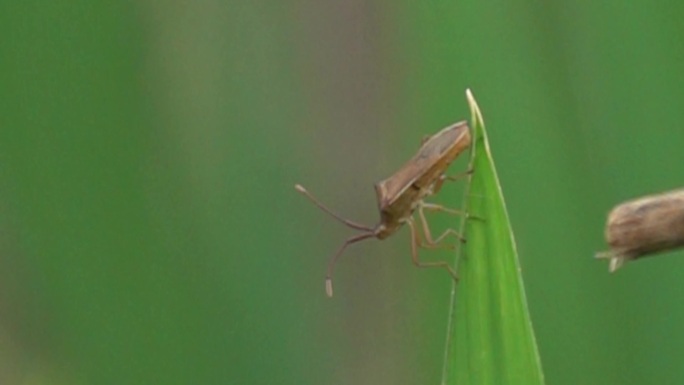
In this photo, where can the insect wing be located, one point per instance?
(431, 153)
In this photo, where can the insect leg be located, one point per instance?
(333, 260)
(458, 176)
(415, 243)
(443, 177)
(428, 235)
(434, 207)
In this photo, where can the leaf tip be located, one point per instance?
(474, 108)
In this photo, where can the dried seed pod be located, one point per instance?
(644, 226)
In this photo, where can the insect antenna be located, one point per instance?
(321, 206)
(333, 260)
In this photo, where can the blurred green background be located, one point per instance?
(150, 234)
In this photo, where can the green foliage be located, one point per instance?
(491, 340)
(149, 232)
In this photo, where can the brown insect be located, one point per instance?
(643, 227)
(403, 193)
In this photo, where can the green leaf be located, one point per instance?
(490, 338)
